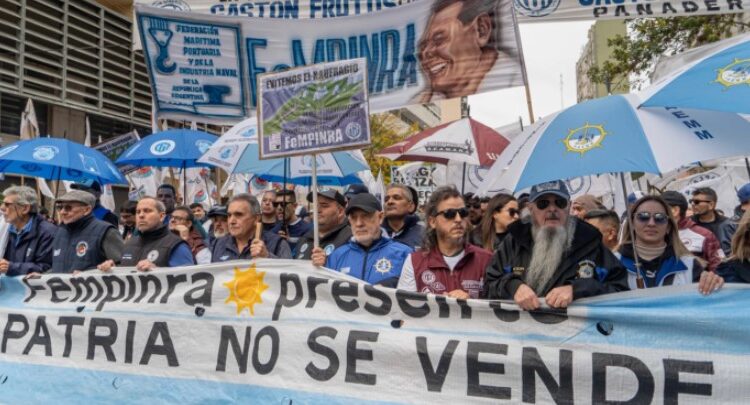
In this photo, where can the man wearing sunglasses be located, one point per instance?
(704, 210)
(82, 242)
(400, 223)
(697, 239)
(448, 264)
(555, 256)
(369, 255)
(30, 237)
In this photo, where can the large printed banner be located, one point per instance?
(116, 146)
(284, 332)
(314, 109)
(527, 10)
(206, 68)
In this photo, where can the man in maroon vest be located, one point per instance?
(448, 264)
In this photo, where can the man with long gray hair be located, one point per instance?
(554, 256)
(29, 247)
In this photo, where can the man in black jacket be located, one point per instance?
(29, 247)
(554, 256)
(332, 225)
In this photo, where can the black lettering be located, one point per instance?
(465, 309)
(9, 333)
(689, 6)
(159, 330)
(204, 298)
(601, 361)
(40, 337)
(69, 322)
(673, 387)
(172, 281)
(599, 11)
(131, 288)
(317, 373)
(505, 315)
(385, 301)
(90, 284)
(353, 354)
(343, 289)
(621, 11)
(229, 337)
(435, 376)
(444, 310)
(532, 365)
(284, 301)
(312, 283)
(735, 4)
(32, 288)
(711, 5)
(403, 297)
(105, 341)
(109, 282)
(145, 279)
(57, 285)
(474, 367)
(550, 316)
(267, 367)
(129, 335)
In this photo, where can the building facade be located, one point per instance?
(595, 53)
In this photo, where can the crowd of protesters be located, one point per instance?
(539, 247)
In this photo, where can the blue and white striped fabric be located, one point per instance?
(712, 77)
(612, 135)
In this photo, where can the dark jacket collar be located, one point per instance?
(409, 221)
(583, 234)
(80, 223)
(154, 234)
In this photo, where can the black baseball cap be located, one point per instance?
(365, 202)
(355, 189)
(217, 211)
(330, 194)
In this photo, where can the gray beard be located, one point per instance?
(550, 244)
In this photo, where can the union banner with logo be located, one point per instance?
(285, 332)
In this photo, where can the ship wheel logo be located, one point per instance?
(585, 138)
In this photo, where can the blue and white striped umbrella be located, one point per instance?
(611, 134)
(712, 77)
(237, 152)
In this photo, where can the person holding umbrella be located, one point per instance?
(662, 258)
(244, 241)
(29, 248)
(82, 242)
(554, 255)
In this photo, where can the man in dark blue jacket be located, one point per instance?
(400, 222)
(243, 217)
(369, 256)
(29, 247)
(99, 211)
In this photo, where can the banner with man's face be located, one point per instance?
(205, 68)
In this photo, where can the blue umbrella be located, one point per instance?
(712, 77)
(612, 135)
(172, 148)
(58, 159)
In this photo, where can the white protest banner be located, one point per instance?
(528, 10)
(286, 332)
(424, 177)
(314, 109)
(197, 62)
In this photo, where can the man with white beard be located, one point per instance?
(555, 256)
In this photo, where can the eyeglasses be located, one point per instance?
(560, 203)
(180, 219)
(696, 202)
(7, 204)
(645, 217)
(67, 207)
(451, 213)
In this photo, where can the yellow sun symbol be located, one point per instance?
(245, 289)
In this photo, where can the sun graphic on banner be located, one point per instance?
(245, 289)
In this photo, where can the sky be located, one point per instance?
(550, 49)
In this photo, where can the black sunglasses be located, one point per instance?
(645, 217)
(560, 203)
(451, 213)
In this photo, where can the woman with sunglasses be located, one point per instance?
(737, 268)
(663, 259)
(183, 223)
(502, 210)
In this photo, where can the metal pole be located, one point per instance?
(524, 74)
(316, 236)
(638, 278)
(747, 166)
(463, 178)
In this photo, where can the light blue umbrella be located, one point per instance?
(612, 135)
(172, 148)
(237, 152)
(712, 77)
(58, 159)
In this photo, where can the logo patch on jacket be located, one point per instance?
(428, 277)
(329, 249)
(383, 266)
(519, 270)
(152, 256)
(586, 269)
(81, 248)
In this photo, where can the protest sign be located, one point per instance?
(314, 109)
(196, 62)
(284, 331)
(114, 148)
(424, 177)
(528, 10)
